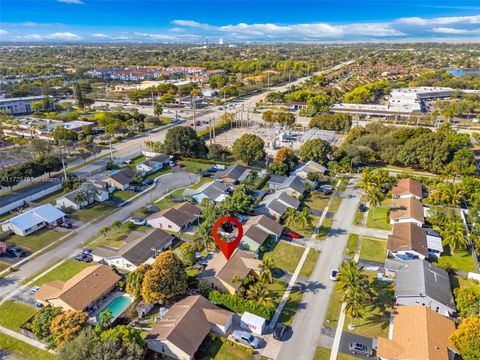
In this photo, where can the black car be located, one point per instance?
(280, 332)
(206, 175)
(66, 225)
(17, 252)
(147, 182)
(362, 207)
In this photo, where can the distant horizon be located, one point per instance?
(233, 21)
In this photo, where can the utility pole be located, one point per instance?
(210, 131)
(63, 166)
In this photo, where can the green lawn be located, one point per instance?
(286, 256)
(309, 263)
(334, 307)
(37, 240)
(460, 281)
(307, 232)
(377, 217)
(357, 220)
(115, 239)
(93, 212)
(277, 289)
(23, 350)
(203, 180)
(50, 199)
(291, 306)
(62, 272)
(373, 249)
(193, 166)
(351, 245)
(13, 314)
(167, 202)
(136, 160)
(123, 195)
(324, 354)
(162, 171)
(324, 229)
(317, 200)
(218, 350)
(376, 319)
(461, 260)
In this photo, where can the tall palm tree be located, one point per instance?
(304, 218)
(290, 217)
(268, 265)
(367, 180)
(375, 198)
(203, 239)
(454, 236)
(453, 194)
(259, 293)
(354, 285)
(381, 177)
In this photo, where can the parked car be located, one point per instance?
(334, 274)
(66, 225)
(84, 258)
(325, 187)
(293, 235)
(86, 251)
(212, 169)
(147, 182)
(34, 290)
(362, 207)
(246, 339)
(360, 349)
(17, 252)
(138, 222)
(280, 331)
(206, 175)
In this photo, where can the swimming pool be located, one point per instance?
(117, 306)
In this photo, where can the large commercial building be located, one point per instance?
(21, 105)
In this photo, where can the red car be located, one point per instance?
(293, 235)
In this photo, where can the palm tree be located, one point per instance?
(304, 218)
(203, 239)
(375, 198)
(381, 177)
(259, 293)
(454, 236)
(454, 194)
(354, 285)
(367, 179)
(268, 265)
(290, 217)
(105, 318)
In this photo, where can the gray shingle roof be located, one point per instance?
(293, 182)
(418, 277)
(233, 172)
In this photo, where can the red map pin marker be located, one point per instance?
(228, 248)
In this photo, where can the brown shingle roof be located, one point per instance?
(125, 176)
(408, 186)
(407, 208)
(82, 289)
(188, 322)
(255, 225)
(419, 333)
(408, 236)
(240, 264)
(179, 214)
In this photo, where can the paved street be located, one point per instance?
(10, 283)
(310, 315)
(347, 338)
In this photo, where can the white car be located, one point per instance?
(34, 290)
(138, 222)
(334, 274)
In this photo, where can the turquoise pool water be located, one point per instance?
(460, 72)
(118, 305)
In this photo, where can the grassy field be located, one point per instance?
(377, 217)
(309, 263)
(373, 249)
(460, 281)
(166, 202)
(334, 307)
(461, 260)
(115, 239)
(286, 256)
(37, 240)
(196, 167)
(317, 200)
(123, 195)
(291, 306)
(23, 350)
(93, 212)
(277, 289)
(13, 314)
(203, 180)
(351, 245)
(307, 232)
(62, 272)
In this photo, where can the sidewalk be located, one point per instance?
(24, 338)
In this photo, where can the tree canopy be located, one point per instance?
(183, 140)
(249, 148)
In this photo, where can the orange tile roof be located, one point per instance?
(408, 186)
(407, 208)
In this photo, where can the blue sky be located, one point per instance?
(238, 21)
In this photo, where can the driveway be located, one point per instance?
(310, 315)
(10, 283)
(347, 338)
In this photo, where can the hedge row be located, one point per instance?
(240, 305)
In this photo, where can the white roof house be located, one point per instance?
(34, 219)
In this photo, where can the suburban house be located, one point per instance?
(122, 179)
(423, 284)
(257, 230)
(310, 167)
(275, 181)
(136, 252)
(408, 188)
(182, 330)
(153, 164)
(176, 218)
(219, 273)
(407, 241)
(434, 243)
(81, 292)
(31, 220)
(85, 195)
(276, 204)
(293, 186)
(215, 191)
(418, 333)
(407, 210)
(233, 174)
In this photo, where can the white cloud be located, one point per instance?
(3, 32)
(53, 36)
(100, 35)
(475, 19)
(447, 30)
(78, 2)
